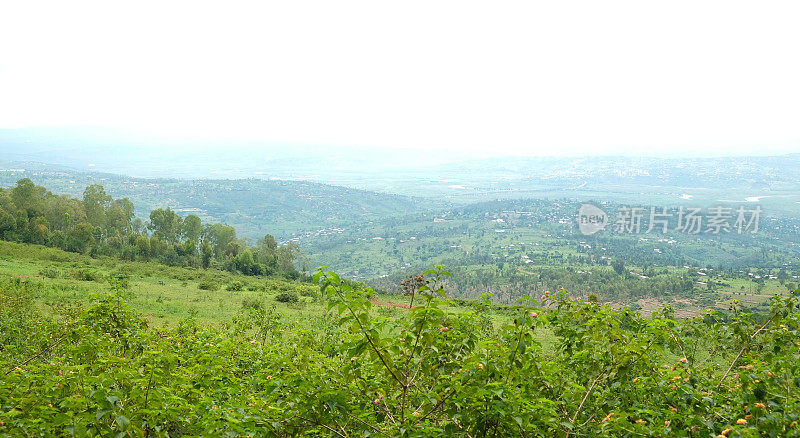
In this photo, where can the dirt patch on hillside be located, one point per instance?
(528, 272)
(650, 305)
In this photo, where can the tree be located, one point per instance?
(64, 211)
(266, 254)
(244, 262)
(7, 225)
(95, 203)
(192, 229)
(29, 197)
(165, 224)
(39, 230)
(207, 254)
(56, 239)
(783, 276)
(188, 250)
(232, 249)
(267, 242)
(142, 247)
(157, 247)
(137, 226)
(80, 238)
(619, 266)
(286, 256)
(119, 216)
(99, 224)
(220, 236)
(5, 201)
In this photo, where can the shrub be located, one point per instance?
(50, 272)
(208, 285)
(121, 278)
(307, 292)
(290, 275)
(287, 297)
(573, 368)
(235, 286)
(252, 303)
(86, 275)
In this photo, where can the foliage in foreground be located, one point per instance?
(101, 371)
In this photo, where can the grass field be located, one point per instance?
(166, 295)
(79, 357)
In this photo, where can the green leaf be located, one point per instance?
(123, 422)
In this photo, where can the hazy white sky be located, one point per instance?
(535, 78)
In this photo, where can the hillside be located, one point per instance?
(506, 247)
(155, 352)
(253, 206)
(164, 294)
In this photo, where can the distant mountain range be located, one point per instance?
(197, 174)
(134, 154)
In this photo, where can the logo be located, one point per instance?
(591, 219)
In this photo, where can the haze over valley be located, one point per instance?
(376, 216)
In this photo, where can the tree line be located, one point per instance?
(99, 225)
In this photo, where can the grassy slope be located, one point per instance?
(168, 294)
(165, 294)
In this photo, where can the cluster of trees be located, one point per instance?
(508, 280)
(101, 225)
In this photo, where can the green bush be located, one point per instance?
(559, 367)
(86, 275)
(307, 292)
(50, 272)
(208, 285)
(252, 303)
(287, 297)
(235, 286)
(122, 278)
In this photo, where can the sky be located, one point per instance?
(694, 78)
